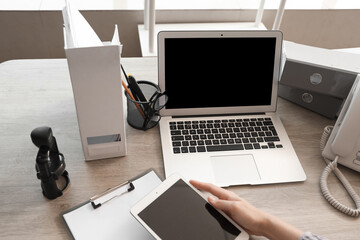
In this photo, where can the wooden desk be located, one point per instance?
(35, 93)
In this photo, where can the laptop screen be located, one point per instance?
(218, 72)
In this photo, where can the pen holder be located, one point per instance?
(142, 115)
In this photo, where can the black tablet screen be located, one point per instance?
(180, 213)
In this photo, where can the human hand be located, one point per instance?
(242, 212)
(252, 220)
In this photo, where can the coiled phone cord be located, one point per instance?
(332, 167)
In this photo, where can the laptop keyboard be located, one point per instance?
(223, 135)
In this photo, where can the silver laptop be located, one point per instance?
(220, 123)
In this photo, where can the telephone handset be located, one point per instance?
(341, 144)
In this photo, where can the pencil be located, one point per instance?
(127, 79)
(132, 97)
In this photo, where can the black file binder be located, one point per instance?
(107, 215)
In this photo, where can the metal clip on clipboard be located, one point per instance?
(92, 199)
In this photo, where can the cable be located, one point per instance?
(325, 137)
(332, 167)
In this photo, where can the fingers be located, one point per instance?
(215, 190)
(238, 211)
(223, 205)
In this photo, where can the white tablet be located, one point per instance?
(176, 210)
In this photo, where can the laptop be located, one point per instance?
(220, 123)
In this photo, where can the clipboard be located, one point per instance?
(107, 215)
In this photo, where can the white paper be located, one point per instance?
(113, 219)
(116, 39)
(68, 40)
(78, 29)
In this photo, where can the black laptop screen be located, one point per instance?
(219, 72)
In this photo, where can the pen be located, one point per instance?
(126, 77)
(135, 89)
(132, 97)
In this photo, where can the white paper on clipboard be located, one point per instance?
(112, 220)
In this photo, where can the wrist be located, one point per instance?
(274, 228)
(267, 226)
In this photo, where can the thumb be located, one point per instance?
(223, 205)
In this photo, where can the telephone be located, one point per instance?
(341, 144)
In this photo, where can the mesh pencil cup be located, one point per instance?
(145, 115)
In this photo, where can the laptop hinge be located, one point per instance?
(219, 115)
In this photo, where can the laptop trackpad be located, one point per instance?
(234, 169)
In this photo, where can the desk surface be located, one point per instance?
(35, 93)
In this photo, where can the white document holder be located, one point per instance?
(95, 74)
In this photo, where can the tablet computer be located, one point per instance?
(176, 210)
